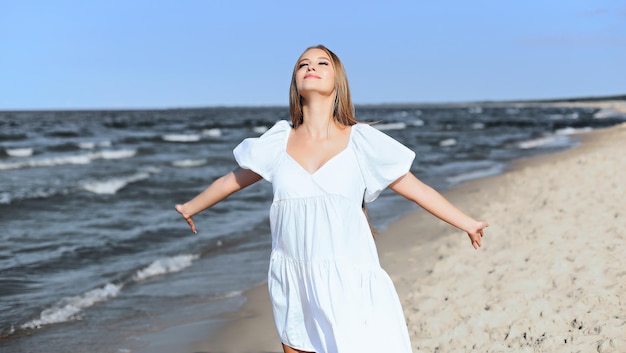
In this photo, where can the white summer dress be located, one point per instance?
(328, 291)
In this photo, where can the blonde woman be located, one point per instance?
(328, 291)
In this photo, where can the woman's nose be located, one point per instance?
(310, 67)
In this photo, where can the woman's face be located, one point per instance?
(315, 73)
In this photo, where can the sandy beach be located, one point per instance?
(550, 277)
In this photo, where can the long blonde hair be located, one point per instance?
(343, 110)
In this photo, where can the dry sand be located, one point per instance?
(550, 277)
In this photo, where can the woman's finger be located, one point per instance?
(179, 209)
(192, 225)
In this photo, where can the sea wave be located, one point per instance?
(103, 187)
(605, 113)
(260, 129)
(416, 122)
(476, 174)
(46, 162)
(89, 145)
(68, 308)
(215, 132)
(542, 141)
(189, 163)
(7, 198)
(447, 142)
(19, 152)
(181, 138)
(478, 126)
(390, 126)
(573, 131)
(113, 154)
(165, 265)
(231, 294)
(71, 159)
(113, 185)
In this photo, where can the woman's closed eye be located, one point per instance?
(325, 63)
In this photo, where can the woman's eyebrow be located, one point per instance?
(319, 57)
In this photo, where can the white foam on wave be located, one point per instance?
(573, 131)
(604, 113)
(165, 265)
(416, 122)
(227, 295)
(525, 145)
(181, 138)
(19, 152)
(190, 163)
(7, 198)
(112, 186)
(114, 154)
(447, 142)
(215, 132)
(91, 145)
(72, 159)
(478, 126)
(390, 126)
(68, 308)
(46, 162)
(260, 129)
(107, 187)
(476, 174)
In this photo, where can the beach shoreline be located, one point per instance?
(563, 301)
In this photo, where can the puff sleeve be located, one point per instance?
(382, 159)
(260, 154)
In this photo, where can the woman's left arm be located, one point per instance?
(432, 201)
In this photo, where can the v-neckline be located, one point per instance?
(335, 156)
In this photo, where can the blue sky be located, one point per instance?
(182, 53)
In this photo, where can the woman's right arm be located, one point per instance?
(216, 192)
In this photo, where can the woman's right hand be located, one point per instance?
(181, 209)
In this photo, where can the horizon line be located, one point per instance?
(591, 98)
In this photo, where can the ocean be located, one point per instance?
(94, 258)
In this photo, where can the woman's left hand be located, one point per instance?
(476, 233)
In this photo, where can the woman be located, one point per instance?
(328, 291)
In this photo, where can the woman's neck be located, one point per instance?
(318, 119)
